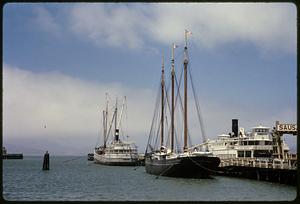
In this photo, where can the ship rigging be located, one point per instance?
(164, 158)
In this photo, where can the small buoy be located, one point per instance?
(46, 161)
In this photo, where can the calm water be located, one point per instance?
(75, 178)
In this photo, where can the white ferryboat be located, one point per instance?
(258, 143)
(118, 152)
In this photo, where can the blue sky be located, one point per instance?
(59, 60)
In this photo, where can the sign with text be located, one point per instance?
(286, 128)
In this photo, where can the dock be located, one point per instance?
(5, 155)
(282, 171)
(12, 156)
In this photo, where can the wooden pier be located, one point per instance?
(12, 156)
(5, 155)
(276, 170)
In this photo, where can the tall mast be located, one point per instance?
(162, 102)
(122, 110)
(185, 63)
(172, 117)
(105, 118)
(116, 119)
(104, 129)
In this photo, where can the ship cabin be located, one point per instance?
(122, 148)
(257, 143)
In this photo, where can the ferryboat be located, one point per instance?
(115, 151)
(257, 143)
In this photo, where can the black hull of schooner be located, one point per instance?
(184, 167)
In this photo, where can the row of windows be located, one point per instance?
(245, 143)
(244, 153)
(121, 151)
(256, 153)
(256, 143)
(261, 130)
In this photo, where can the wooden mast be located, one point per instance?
(185, 63)
(172, 116)
(116, 128)
(162, 102)
(104, 129)
(105, 115)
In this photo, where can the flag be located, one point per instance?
(175, 46)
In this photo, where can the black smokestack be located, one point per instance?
(117, 135)
(235, 127)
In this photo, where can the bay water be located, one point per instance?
(73, 178)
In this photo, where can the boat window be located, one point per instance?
(251, 143)
(241, 153)
(256, 143)
(262, 153)
(248, 154)
(268, 142)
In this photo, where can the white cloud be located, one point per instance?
(71, 110)
(270, 27)
(116, 27)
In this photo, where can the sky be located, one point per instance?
(59, 61)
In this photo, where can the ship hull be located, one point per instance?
(185, 167)
(115, 160)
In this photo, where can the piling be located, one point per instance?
(46, 161)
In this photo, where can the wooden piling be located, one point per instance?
(46, 161)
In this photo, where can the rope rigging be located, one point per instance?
(198, 109)
(178, 109)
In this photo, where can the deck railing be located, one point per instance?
(290, 163)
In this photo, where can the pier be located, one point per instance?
(12, 156)
(273, 170)
(5, 155)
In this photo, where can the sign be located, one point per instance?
(286, 128)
